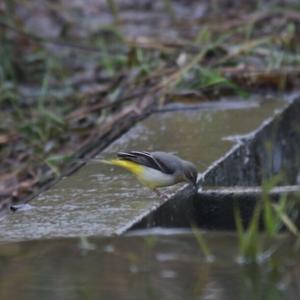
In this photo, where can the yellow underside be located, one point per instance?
(126, 164)
(134, 168)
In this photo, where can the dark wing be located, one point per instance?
(146, 159)
(167, 161)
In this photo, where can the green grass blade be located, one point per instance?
(202, 243)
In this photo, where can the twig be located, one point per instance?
(245, 47)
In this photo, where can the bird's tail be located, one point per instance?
(126, 164)
(114, 162)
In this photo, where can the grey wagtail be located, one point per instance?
(156, 169)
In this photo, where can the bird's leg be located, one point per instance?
(161, 195)
(157, 192)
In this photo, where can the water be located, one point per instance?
(167, 265)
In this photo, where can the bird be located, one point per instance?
(156, 169)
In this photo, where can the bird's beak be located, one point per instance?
(190, 175)
(195, 185)
(193, 182)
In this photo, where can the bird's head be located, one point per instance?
(190, 173)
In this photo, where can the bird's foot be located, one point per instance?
(162, 196)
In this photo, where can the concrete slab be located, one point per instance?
(237, 177)
(100, 200)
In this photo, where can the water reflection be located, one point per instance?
(142, 267)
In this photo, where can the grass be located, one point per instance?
(169, 10)
(249, 239)
(200, 78)
(203, 246)
(272, 216)
(114, 8)
(45, 124)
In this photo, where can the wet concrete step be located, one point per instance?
(271, 150)
(214, 208)
(101, 200)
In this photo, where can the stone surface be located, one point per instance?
(101, 200)
(271, 150)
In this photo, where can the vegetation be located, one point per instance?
(254, 246)
(59, 89)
